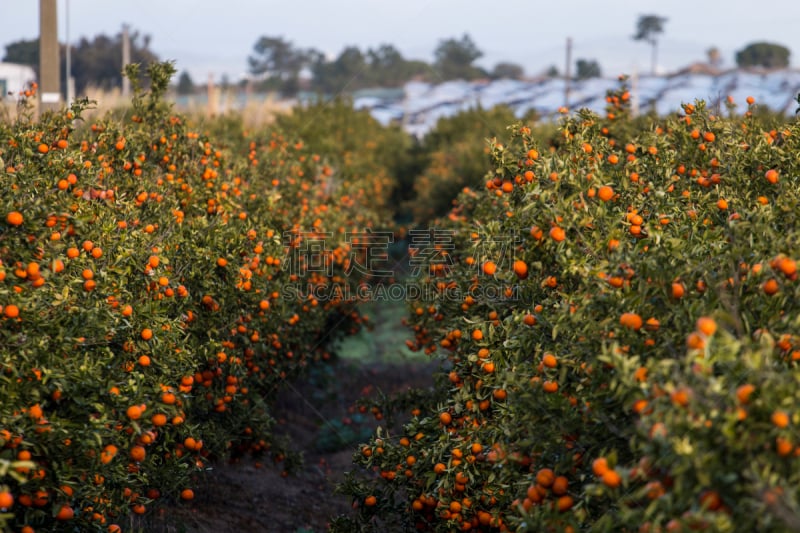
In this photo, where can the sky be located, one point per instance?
(214, 38)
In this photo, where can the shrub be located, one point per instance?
(145, 323)
(628, 360)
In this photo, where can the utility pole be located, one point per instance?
(568, 72)
(211, 108)
(126, 59)
(49, 67)
(69, 80)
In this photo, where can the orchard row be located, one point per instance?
(637, 366)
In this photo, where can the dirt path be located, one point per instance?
(320, 417)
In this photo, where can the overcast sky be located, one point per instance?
(214, 37)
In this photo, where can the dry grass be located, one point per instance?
(255, 110)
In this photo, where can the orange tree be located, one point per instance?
(452, 155)
(364, 158)
(145, 321)
(617, 316)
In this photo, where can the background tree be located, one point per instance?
(96, 62)
(277, 62)
(185, 83)
(763, 54)
(552, 72)
(647, 29)
(587, 68)
(507, 70)
(388, 68)
(418, 68)
(23, 52)
(455, 58)
(345, 74)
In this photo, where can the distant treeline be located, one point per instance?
(276, 64)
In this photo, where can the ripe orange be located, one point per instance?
(14, 218)
(787, 266)
(134, 412)
(557, 234)
(65, 513)
(631, 321)
(780, 419)
(564, 503)
(108, 454)
(605, 193)
(611, 479)
(545, 477)
(783, 446)
(695, 341)
(560, 486)
(521, 269)
(772, 176)
(600, 466)
(677, 290)
(138, 453)
(168, 398)
(35, 411)
(6, 500)
(680, 397)
(771, 287)
(706, 325)
(744, 391)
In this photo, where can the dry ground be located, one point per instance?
(319, 415)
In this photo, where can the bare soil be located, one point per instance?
(320, 418)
